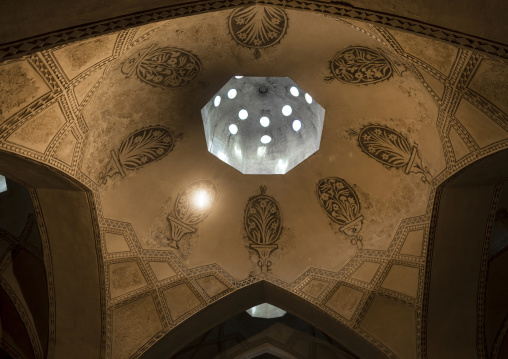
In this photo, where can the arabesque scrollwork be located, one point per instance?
(140, 148)
(360, 65)
(392, 149)
(163, 67)
(263, 224)
(342, 206)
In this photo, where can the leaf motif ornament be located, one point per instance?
(360, 65)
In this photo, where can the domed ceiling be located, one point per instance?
(346, 230)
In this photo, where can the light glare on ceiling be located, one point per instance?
(202, 199)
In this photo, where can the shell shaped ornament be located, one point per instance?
(192, 206)
(342, 206)
(263, 224)
(163, 67)
(139, 149)
(258, 27)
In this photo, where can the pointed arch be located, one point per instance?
(247, 297)
(454, 295)
(72, 254)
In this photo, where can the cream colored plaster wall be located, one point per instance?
(102, 96)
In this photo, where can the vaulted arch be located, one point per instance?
(72, 255)
(245, 298)
(464, 213)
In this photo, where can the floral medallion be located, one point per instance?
(258, 27)
(342, 206)
(164, 67)
(360, 65)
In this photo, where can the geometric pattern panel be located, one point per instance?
(133, 325)
(65, 149)
(20, 84)
(439, 55)
(490, 82)
(38, 132)
(394, 324)
(413, 243)
(366, 271)
(125, 277)
(77, 57)
(483, 130)
(115, 243)
(315, 287)
(162, 270)
(344, 301)
(460, 148)
(180, 299)
(211, 285)
(402, 279)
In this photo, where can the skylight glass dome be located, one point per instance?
(262, 125)
(266, 311)
(3, 184)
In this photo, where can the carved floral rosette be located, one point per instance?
(342, 206)
(258, 27)
(140, 148)
(360, 65)
(263, 224)
(163, 67)
(390, 148)
(188, 212)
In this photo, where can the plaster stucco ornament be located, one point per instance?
(164, 66)
(192, 205)
(392, 149)
(360, 65)
(258, 27)
(139, 149)
(263, 224)
(342, 206)
(262, 125)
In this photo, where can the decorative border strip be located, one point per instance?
(9, 350)
(481, 341)
(48, 264)
(26, 317)
(45, 41)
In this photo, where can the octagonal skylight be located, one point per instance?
(262, 125)
(3, 184)
(266, 311)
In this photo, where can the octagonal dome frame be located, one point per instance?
(262, 125)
